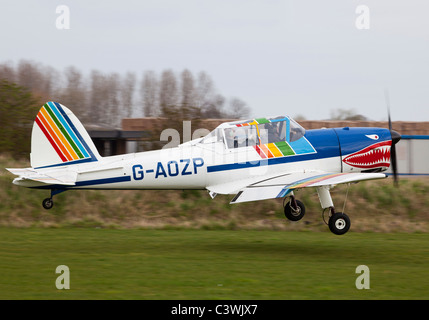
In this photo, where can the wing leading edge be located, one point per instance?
(281, 186)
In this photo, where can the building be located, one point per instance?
(112, 141)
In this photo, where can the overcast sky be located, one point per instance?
(292, 57)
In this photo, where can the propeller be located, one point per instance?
(395, 139)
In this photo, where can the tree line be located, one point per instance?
(106, 98)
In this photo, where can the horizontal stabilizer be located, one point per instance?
(62, 177)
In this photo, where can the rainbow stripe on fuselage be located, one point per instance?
(307, 182)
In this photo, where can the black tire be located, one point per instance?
(48, 203)
(339, 223)
(292, 214)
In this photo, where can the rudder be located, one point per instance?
(59, 138)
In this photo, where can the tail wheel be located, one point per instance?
(339, 223)
(294, 214)
(48, 203)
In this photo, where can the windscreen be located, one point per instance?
(238, 137)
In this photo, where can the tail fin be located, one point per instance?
(59, 138)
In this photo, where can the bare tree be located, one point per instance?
(74, 94)
(50, 80)
(237, 109)
(346, 114)
(97, 97)
(7, 72)
(27, 75)
(112, 99)
(168, 95)
(149, 93)
(102, 97)
(213, 108)
(204, 92)
(38, 79)
(188, 106)
(127, 87)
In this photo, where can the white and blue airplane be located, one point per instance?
(255, 159)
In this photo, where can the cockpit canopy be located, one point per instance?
(253, 132)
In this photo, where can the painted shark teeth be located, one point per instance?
(374, 156)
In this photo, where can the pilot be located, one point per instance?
(295, 134)
(273, 135)
(252, 139)
(239, 137)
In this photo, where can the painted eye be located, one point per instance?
(372, 136)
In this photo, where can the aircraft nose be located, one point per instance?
(395, 136)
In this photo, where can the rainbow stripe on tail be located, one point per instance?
(59, 138)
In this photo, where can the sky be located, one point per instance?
(282, 57)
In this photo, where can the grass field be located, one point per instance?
(184, 245)
(210, 264)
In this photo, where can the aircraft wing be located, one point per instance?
(281, 186)
(62, 177)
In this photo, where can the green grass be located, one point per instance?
(215, 264)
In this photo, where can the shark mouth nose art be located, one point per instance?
(374, 156)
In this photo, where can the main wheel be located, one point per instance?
(339, 223)
(294, 214)
(48, 203)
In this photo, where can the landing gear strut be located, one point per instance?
(338, 222)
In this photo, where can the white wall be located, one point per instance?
(413, 155)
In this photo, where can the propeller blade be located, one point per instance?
(386, 95)
(394, 163)
(395, 139)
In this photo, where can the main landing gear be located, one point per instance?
(338, 222)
